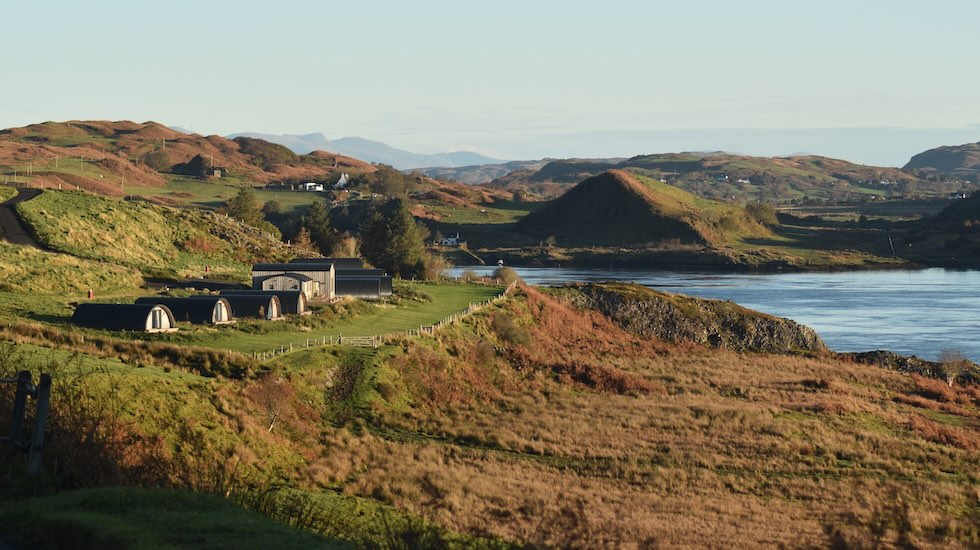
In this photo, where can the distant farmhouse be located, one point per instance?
(152, 317)
(312, 186)
(451, 240)
(200, 310)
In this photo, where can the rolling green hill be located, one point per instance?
(617, 208)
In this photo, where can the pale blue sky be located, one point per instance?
(512, 79)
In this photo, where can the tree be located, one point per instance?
(303, 242)
(244, 206)
(953, 364)
(762, 213)
(317, 222)
(392, 240)
(271, 208)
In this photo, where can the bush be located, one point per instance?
(506, 329)
(507, 275)
(762, 213)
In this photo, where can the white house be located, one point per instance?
(312, 186)
(342, 182)
(451, 241)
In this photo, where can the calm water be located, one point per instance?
(909, 312)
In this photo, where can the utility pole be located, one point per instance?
(164, 145)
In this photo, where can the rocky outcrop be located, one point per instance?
(678, 318)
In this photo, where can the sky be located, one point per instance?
(871, 81)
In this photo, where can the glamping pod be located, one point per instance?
(291, 281)
(292, 302)
(149, 317)
(200, 310)
(257, 305)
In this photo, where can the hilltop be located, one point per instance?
(737, 177)
(101, 156)
(962, 161)
(616, 208)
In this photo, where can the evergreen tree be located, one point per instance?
(244, 206)
(303, 242)
(317, 222)
(392, 240)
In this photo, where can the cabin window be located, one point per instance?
(156, 319)
(222, 314)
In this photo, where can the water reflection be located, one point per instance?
(910, 312)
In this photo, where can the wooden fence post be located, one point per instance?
(20, 408)
(43, 398)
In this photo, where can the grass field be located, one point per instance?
(214, 194)
(148, 518)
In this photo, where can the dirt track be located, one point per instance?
(13, 231)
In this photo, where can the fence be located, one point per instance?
(42, 398)
(376, 340)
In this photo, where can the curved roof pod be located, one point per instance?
(201, 310)
(261, 305)
(293, 302)
(150, 317)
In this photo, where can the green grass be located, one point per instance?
(147, 237)
(147, 518)
(447, 299)
(214, 194)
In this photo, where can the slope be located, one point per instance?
(953, 160)
(154, 239)
(102, 156)
(617, 208)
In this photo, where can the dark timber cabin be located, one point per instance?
(338, 263)
(151, 317)
(256, 306)
(293, 302)
(200, 310)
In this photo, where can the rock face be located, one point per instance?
(678, 318)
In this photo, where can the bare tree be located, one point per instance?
(953, 364)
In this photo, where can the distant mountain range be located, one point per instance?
(372, 151)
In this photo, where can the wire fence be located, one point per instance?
(376, 340)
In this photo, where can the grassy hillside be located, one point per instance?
(651, 443)
(143, 518)
(616, 208)
(102, 156)
(152, 239)
(30, 271)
